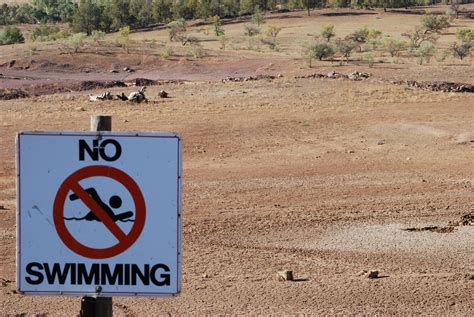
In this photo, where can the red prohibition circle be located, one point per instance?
(71, 183)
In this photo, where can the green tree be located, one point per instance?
(162, 11)
(257, 16)
(120, 13)
(435, 23)
(321, 51)
(465, 35)
(327, 31)
(346, 47)
(141, 12)
(88, 17)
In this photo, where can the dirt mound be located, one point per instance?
(438, 86)
(144, 82)
(7, 94)
(93, 84)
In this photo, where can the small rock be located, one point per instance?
(125, 121)
(381, 142)
(285, 275)
(205, 275)
(408, 158)
(80, 109)
(2, 207)
(373, 274)
(163, 94)
(351, 151)
(126, 69)
(114, 71)
(470, 276)
(279, 75)
(361, 273)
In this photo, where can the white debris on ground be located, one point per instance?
(104, 96)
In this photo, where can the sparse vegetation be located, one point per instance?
(218, 29)
(393, 46)
(465, 35)
(272, 33)
(177, 30)
(77, 40)
(250, 30)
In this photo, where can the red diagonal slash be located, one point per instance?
(98, 211)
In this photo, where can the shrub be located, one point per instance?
(451, 15)
(223, 40)
(272, 33)
(462, 50)
(167, 52)
(47, 32)
(465, 35)
(435, 23)
(321, 51)
(77, 40)
(346, 47)
(327, 31)
(218, 29)
(393, 46)
(177, 28)
(11, 35)
(369, 58)
(98, 35)
(251, 30)
(425, 52)
(418, 36)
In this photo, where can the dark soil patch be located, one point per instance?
(439, 229)
(93, 84)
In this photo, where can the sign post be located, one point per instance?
(98, 306)
(99, 214)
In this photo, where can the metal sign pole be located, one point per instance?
(98, 306)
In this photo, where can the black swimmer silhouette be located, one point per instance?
(114, 202)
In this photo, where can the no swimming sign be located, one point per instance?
(99, 213)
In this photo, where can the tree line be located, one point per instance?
(111, 15)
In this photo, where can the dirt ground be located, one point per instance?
(317, 176)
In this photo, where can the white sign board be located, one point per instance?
(99, 213)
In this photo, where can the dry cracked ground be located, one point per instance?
(316, 176)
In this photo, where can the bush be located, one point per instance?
(168, 52)
(369, 58)
(11, 35)
(321, 51)
(218, 29)
(393, 46)
(425, 51)
(77, 40)
(435, 23)
(462, 50)
(327, 31)
(47, 32)
(346, 47)
(465, 35)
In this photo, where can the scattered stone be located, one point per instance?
(163, 94)
(122, 97)
(81, 108)
(285, 275)
(126, 69)
(113, 71)
(11, 63)
(125, 121)
(381, 142)
(279, 76)
(2, 207)
(442, 86)
(373, 274)
(336, 75)
(205, 275)
(249, 78)
(470, 276)
(138, 96)
(104, 96)
(358, 75)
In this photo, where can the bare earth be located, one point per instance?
(317, 176)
